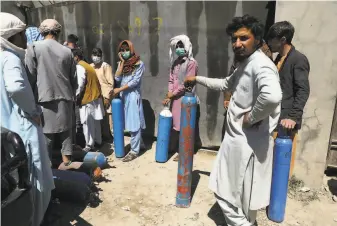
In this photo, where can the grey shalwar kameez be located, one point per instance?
(53, 77)
(241, 177)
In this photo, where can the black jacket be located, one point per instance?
(294, 78)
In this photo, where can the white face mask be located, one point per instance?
(96, 59)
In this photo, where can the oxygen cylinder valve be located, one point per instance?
(188, 86)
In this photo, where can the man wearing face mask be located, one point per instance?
(241, 177)
(89, 100)
(182, 65)
(106, 80)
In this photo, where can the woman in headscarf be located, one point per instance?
(20, 114)
(129, 73)
(182, 65)
(53, 76)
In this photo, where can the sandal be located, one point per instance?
(129, 157)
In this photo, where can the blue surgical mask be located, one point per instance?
(180, 51)
(126, 55)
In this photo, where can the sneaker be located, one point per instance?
(129, 157)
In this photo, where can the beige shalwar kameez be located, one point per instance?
(241, 177)
(106, 80)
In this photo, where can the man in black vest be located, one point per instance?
(293, 68)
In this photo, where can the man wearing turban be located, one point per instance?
(19, 112)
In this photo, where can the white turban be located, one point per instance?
(50, 25)
(187, 46)
(9, 26)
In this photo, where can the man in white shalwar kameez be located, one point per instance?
(89, 99)
(241, 177)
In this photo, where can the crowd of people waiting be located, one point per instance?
(49, 92)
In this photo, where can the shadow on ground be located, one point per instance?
(196, 179)
(65, 214)
(106, 149)
(215, 213)
(332, 183)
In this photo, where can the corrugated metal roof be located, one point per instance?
(39, 4)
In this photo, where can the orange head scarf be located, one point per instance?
(129, 64)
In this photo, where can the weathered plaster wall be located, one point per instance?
(11, 7)
(150, 25)
(315, 36)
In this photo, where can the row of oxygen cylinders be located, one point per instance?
(281, 161)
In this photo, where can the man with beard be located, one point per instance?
(227, 95)
(241, 177)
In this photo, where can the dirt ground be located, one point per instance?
(142, 193)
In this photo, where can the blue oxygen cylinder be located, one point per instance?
(163, 137)
(279, 185)
(118, 125)
(97, 158)
(186, 148)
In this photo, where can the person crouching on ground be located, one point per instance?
(129, 73)
(89, 98)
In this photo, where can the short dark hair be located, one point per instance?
(281, 29)
(54, 33)
(249, 22)
(96, 52)
(78, 52)
(72, 38)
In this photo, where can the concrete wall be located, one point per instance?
(150, 25)
(315, 36)
(11, 7)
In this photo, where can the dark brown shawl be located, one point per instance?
(129, 64)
